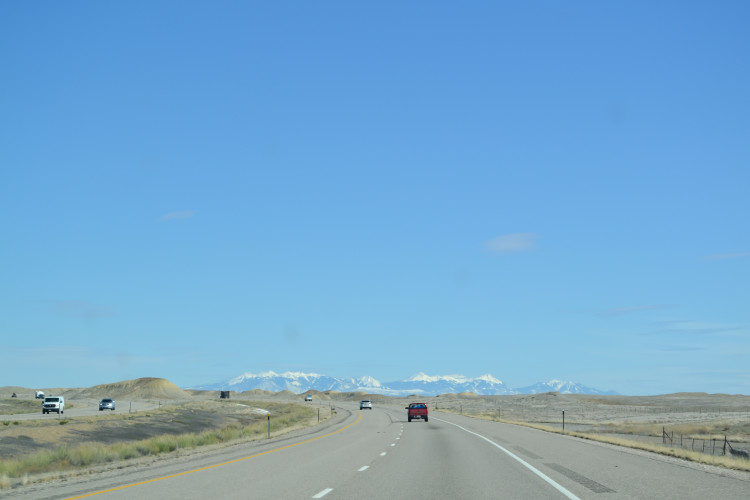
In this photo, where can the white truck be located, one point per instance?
(53, 403)
(39, 395)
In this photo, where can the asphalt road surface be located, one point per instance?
(83, 409)
(379, 455)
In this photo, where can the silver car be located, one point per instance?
(365, 404)
(107, 404)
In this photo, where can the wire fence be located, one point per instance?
(711, 446)
(688, 427)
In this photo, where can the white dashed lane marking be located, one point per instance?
(323, 493)
(383, 454)
(365, 467)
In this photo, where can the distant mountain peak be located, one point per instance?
(419, 377)
(489, 378)
(368, 381)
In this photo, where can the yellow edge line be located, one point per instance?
(216, 465)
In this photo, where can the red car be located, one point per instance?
(417, 410)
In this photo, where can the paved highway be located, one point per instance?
(378, 455)
(84, 408)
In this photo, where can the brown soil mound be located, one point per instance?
(199, 392)
(7, 390)
(257, 392)
(140, 388)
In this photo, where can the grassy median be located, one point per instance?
(231, 422)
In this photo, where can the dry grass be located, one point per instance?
(701, 431)
(733, 431)
(13, 406)
(285, 417)
(693, 456)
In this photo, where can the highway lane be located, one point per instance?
(591, 470)
(377, 454)
(84, 408)
(296, 468)
(275, 468)
(437, 460)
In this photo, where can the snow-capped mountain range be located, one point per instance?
(561, 387)
(421, 384)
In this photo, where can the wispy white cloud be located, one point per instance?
(179, 215)
(721, 256)
(512, 243)
(618, 311)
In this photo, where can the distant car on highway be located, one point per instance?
(308, 397)
(365, 404)
(417, 410)
(107, 404)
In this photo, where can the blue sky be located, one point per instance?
(193, 190)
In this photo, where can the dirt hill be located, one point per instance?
(140, 388)
(257, 392)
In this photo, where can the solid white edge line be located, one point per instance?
(323, 493)
(533, 469)
(364, 467)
